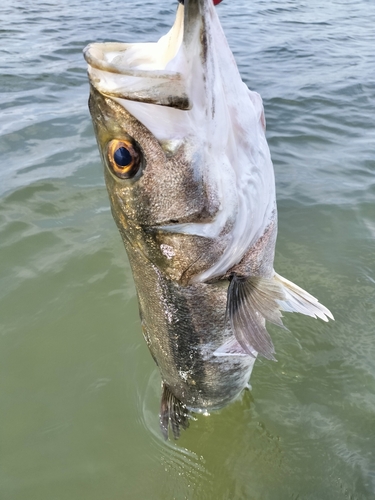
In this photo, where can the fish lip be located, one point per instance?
(112, 73)
(90, 53)
(168, 86)
(192, 15)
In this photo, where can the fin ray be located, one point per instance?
(232, 348)
(247, 318)
(298, 300)
(173, 414)
(253, 300)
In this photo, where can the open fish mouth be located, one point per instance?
(140, 71)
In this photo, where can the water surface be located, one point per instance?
(79, 391)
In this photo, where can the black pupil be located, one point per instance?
(122, 157)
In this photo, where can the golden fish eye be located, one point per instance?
(124, 159)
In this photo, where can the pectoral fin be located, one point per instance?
(296, 299)
(251, 301)
(233, 348)
(173, 413)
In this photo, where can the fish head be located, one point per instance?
(187, 165)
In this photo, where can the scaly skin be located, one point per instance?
(183, 323)
(183, 326)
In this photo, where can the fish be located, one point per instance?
(192, 190)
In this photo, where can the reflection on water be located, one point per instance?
(79, 391)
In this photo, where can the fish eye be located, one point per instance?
(124, 158)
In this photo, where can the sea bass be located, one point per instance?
(192, 190)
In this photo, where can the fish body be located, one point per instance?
(192, 190)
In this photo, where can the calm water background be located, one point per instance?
(79, 392)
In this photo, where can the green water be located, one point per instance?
(79, 392)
